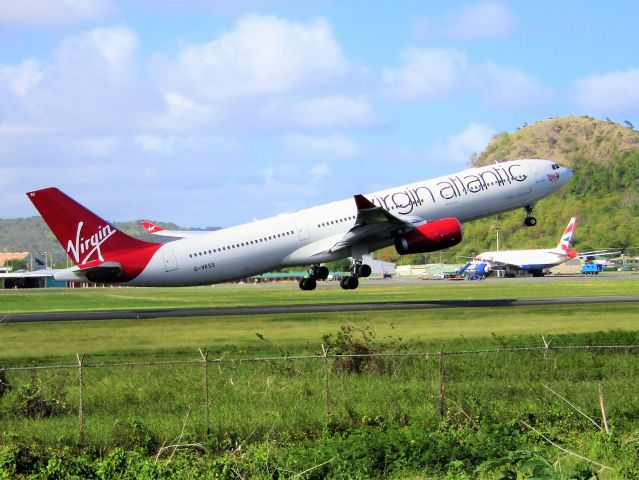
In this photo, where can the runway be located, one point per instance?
(311, 308)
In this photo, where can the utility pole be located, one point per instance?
(496, 226)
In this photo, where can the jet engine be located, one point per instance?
(430, 237)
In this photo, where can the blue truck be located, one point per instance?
(591, 268)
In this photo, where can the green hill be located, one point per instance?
(603, 195)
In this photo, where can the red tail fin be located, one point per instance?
(87, 238)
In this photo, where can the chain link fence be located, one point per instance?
(155, 403)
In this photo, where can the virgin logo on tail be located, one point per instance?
(86, 247)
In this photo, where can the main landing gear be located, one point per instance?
(357, 269)
(315, 273)
(351, 282)
(529, 221)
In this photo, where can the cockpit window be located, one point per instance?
(555, 166)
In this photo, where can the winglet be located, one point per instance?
(363, 203)
(151, 227)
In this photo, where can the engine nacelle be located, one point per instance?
(430, 237)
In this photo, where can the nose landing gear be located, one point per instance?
(530, 221)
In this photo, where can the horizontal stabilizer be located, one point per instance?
(154, 229)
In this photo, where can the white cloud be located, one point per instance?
(91, 82)
(330, 112)
(509, 88)
(491, 19)
(19, 130)
(104, 55)
(334, 112)
(51, 13)
(94, 146)
(482, 20)
(459, 147)
(612, 93)
(427, 74)
(329, 148)
(435, 74)
(179, 114)
(263, 55)
(22, 78)
(155, 144)
(319, 172)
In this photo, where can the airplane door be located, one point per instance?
(170, 263)
(302, 231)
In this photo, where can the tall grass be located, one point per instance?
(252, 401)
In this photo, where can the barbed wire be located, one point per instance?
(316, 357)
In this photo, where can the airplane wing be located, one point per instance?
(372, 223)
(31, 274)
(376, 226)
(154, 229)
(599, 253)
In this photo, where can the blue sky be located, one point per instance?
(212, 113)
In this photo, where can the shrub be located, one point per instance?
(357, 347)
(5, 386)
(132, 435)
(31, 401)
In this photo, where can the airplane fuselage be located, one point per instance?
(305, 237)
(534, 259)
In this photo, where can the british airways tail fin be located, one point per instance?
(565, 244)
(87, 238)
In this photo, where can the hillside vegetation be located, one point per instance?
(565, 140)
(603, 195)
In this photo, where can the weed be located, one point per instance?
(31, 401)
(5, 386)
(131, 435)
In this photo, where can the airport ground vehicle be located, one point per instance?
(591, 268)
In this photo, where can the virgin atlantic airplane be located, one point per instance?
(421, 217)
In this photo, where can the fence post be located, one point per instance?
(326, 383)
(602, 406)
(205, 359)
(81, 406)
(547, 362)
(442, 385)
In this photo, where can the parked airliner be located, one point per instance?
(417, 218)
(535, 261)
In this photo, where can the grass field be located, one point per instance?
(38, 300)
(279, 406)
(425, 329)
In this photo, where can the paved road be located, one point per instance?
(317, 308)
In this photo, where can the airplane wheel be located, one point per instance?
(349, 283)
(530, 221)
(310, 283)
(322, 273)
(364, 270)
(301, 284)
